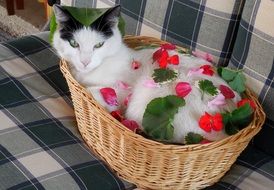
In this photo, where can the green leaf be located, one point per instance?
(235, 79)
(85, 16)
(159, 116)
(164, 75)
(238, 84)
(227, 74)
(53, 27)
(230, 128)
(238, 119)
(242, 116)
(122, 25)
(207, 87)
(193, 138)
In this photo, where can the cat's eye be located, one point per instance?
(98, 45)
(73, 43)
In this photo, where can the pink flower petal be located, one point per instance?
(168, 46)
(150, 83)
(206, 56)
(135, 65)
(130, 124)
(183, 89)
(109, 96)
(195, 71)
(127, 99)
(122, 85)
(219, 100)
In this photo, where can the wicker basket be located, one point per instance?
(150, 164)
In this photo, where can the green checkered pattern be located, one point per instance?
(209, 26)
(254, 53)
(40, 147)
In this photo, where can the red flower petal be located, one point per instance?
(130, 124)
(157, 54)
(205, 122)
(217, 122)
(208, 70)
(135, 65)
(117, 115)
(127, 99)
(208, 122)
(247, 101)
(226, 91)
(174, 59)
(183, 89)
(168, 46)
(163, 59)
(109, 96)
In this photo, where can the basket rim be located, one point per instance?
(254, 126)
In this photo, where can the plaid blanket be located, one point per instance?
(40, 147)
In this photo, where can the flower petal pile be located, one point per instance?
(163, 58)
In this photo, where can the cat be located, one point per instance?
(98, 58)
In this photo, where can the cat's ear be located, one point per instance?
(61, 15)
(108, 21)
(112, 14)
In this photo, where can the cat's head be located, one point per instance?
(85, 47)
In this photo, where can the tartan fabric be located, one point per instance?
(40, 147)
(208, 26)
(254, 53)
(253, 170)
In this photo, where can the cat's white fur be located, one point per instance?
(112, 63)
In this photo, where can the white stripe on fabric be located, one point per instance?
(197, 16)
(251, 17)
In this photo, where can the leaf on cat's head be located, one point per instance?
(86, 16)
(53, 27)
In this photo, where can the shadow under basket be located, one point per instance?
(147, 163)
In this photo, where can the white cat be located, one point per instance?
(98, 58)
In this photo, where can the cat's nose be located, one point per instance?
(85, 62)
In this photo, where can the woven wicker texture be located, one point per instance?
(150, 164)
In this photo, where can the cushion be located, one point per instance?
(253, 170)
(40, 147)
(254, 53)
(208, 26)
